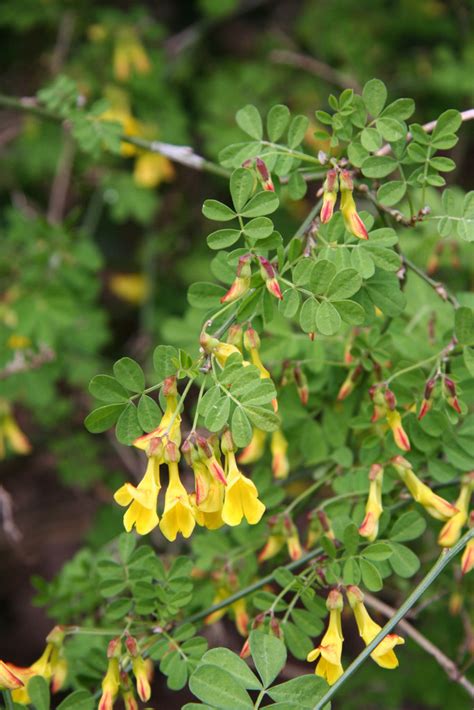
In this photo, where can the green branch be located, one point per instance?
(443, 560)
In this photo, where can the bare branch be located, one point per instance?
(26, 361)
(316, 67)
(7, 521)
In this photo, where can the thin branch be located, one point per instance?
(467, 115)
(62, 179)
(63, 42)
(314, 66)
(437, 286)
(21, 363)
(444, 559)
(446, 663)
(7, 520)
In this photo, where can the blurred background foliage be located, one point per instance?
(96, 252)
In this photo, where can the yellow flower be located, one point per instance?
(400, 436)
(278, 447)
(41, 667)
(132, 288)
(140, 671)
(272, 547)
(352, 221)
(119, 112)
(129, 55)
(18, 342)
(255, 450)
(330, 649)
(8, 679)
(436, 506)
(11, 434)
(110, 685)
(178, 514)
(169, 428)
(241, 496)
(383, 654)
(373, 509)
(451, 531)
(151, 169)
(467, 560)
(142, 500)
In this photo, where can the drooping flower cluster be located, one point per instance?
(434, 504)
(51, 665)
(283, 532)
(342, 179)
(241, 284)
(448, 391)
(117, 680)
(222, 493)
(329, 650)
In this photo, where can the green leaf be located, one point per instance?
(464, 325)
(38, 690)
(408, 526)
(362, 262)
(262, 417)
(204, 294)
(351, 571)
(278, 119)
(447, 123)
(468, 355)
(378, 552)
(351, 539)
(165, 358)
(466, 224)
(217, 211)
(130, 374)
(378, 166)
(223, 238)
(268, 654)
(241, 184)
(384, 258)
(241, 428)
(128, 427)
(219, 688)
(374, 95)
(370, 576)
(299, 644)
(328, 320)
(290, 303)
(302, 692)
(401, 109)
(297, 186)
(390, 193)
(259, 228)
(261, 204)
(107, 389)
(248, 119)
(218, 414)
(308, 315)
(231, 663)
(404, 562)
(371, 139)
(103, 418)
(391, 129)
(78, 700)
(344, 284)
(321, 275)
(297, 130)
(350, 311)
(149, 413)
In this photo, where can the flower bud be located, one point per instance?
(348, 385)
(141, 673)
(352, 220)
(373, 509)
(264, 175)
(278, 447)
(301, 385)
(452, 399)
(334, 600)
(234, 335)
(241, 283)
(330, 190)
(269, 276)
(292, 540)
(400, 436)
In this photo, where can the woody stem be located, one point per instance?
(444, 559)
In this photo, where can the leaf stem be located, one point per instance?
(7, 698)
(444, 559)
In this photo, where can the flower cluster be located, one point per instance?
(385, 407)
(342, 179)
(51, 665)
(241, 284)
(222, 493)
(329, 650)
(448, 391)
(117, 680)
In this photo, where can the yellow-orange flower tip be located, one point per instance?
(8, 679)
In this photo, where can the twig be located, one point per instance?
(63, 42)
(316, 67)
(467, 115)
(22, 364)
(446, 663)
(126, 456)
(7, 520)
(444, 559)
(61, 181)
(437, 286)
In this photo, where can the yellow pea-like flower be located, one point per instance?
(142, 500)
(373, 509)
(436, 506)
(241, 496)
(383, 654)
(329, 650)
(178, 515)
(451, 530)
